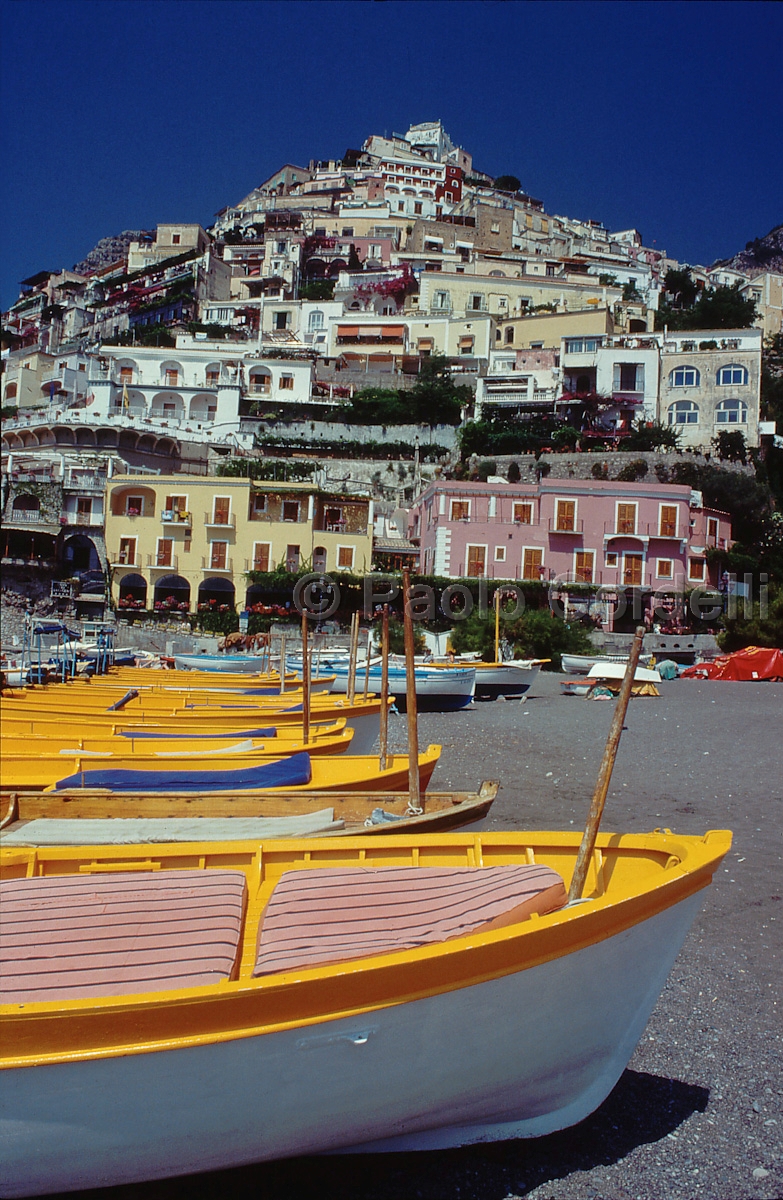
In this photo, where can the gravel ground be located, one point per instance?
(698, 1113)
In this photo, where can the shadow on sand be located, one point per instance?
(641, 1109)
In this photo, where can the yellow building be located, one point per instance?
(177, 541)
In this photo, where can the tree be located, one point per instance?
(730, 447)
(507, 183)
(652, 435)
(716, 308)
(754, 629)
(772, 380)
(317, 289)
(397, 637)
(376, 406)
(681, 287)
(435, 399)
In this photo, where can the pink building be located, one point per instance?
(645, 535)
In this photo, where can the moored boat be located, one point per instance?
(468, 1003)
(240, 772)
(436, 690)
(580, 664)
(75, 817)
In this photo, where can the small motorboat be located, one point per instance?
(172, 1009)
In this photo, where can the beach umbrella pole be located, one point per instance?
(590, 834)
(414, 782)
(282, 663)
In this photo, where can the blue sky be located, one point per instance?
(119, 114)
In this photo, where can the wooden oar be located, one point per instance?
(605, 773)
(352, 657)
(414, 782)
(384, 688)
(305, 681)
(282, 663)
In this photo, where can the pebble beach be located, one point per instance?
(698, 1114)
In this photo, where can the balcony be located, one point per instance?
(565, 526)
(81, 518)
(226, 569)
(215, 520)
(27, 516)
(175, 517)
(124, 558)
(643, 530)
(163, 562)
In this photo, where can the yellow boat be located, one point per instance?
(170, 1010)
(363, 716)
(239, 772)
(74, 817)
(328, 740)
(86, 733)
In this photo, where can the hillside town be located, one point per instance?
(401, 361)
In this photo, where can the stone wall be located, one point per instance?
(580, 466)
(334, 431)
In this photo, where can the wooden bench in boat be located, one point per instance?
(75, 936)
(337, 914)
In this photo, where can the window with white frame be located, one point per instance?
(684, 377)
(610, 558)
(261, 556)
(500, 554)
(683, 412)
(731, 412)
(315, 320)
(732, 374)
(345, 557)
(664, 568)
(460, 510)
(696, 569)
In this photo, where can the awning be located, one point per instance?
(397, 331)
(347, 330)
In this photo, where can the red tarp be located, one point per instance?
(754, 662)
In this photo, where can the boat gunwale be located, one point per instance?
(98, 1027)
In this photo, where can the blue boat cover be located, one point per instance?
(285, 772)
(239, 733)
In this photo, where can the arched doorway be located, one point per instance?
(216, 594)
(172, 594)
(80, 554)
(133, 592)
(319, 558)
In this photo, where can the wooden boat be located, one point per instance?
(436, 691)
(238, 664)
(363, 716)
(610, 674)
(75, 817)
(74, 732)
(580, 664)
(331, 740)
(465, 1004)
(241, 772)
(509, 678)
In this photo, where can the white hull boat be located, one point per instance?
(436, 690)
(515, 1031)
(580, 664)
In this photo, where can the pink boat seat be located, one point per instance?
(76, 936)
(337, 914)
